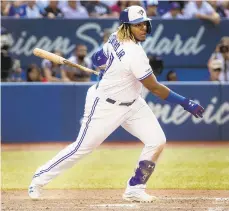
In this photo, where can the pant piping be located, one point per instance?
(78, 145)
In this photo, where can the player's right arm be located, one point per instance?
(155, 87)
(165, 93)
(143, 72)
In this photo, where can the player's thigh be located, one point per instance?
(100, 120)
(144, 125)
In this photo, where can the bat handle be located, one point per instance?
(67, 62)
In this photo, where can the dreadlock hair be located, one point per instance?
(124, 33)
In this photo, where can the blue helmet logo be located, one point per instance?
(141, 12)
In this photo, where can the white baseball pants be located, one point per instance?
(100, 119)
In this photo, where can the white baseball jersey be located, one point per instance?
(127, 64)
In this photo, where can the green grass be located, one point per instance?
(178, 168)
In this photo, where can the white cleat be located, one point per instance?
(34, 191)
(137, 194)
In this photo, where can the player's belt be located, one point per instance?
(109, 100)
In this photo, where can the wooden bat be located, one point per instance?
(60, 60)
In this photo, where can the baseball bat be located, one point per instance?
(60, 60)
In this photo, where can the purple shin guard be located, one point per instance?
(142, 173)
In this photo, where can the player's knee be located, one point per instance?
(161, 139)
(161, 143)
(157, 142)
(160, 148)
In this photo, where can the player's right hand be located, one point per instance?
(192, 107)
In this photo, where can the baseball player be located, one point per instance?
(115, 100)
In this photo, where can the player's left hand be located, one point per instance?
(192, 107)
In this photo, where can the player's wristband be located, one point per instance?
(173, 97)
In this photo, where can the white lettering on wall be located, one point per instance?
(155, 44)
(162, 45)
(25, 44)
(168, 114)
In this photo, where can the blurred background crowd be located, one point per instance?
(11, 70)
(112, 8)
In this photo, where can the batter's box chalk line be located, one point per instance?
(114, 205)
(222, 199)
(195, 198)
(217, 209)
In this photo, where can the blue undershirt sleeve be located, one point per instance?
(99, 58)
(175, 98)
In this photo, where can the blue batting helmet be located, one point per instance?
(134, 15)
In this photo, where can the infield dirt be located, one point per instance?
(99, 200)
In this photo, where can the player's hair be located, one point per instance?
(124, 33)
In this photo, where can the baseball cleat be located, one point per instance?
(34, 191)
(135, 197)
(137, 194)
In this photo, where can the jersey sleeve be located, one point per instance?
(139, 65)
(100, 57)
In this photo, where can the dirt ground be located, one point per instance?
(107, 199)
(99, 200)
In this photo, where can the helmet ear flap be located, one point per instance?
(149, 27)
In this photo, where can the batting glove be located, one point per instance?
(192, 107)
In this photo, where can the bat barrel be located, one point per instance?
(49, 56)
(60, 60)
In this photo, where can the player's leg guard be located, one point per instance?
(135, 190)
(142, 173)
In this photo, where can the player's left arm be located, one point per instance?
(165, 93)
(99, 58)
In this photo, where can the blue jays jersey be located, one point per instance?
(126, 66)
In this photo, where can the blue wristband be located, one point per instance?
(173, 97)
